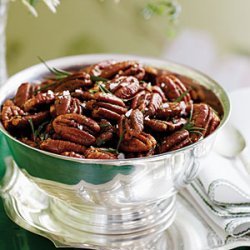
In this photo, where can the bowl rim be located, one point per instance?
(63, 62)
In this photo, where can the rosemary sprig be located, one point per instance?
(179, 99)
(104, 125)
(195, 132)
(98, 79)
(45, 87)
(58, 73)
(40, 128)
(93, 91)
(37, 133)
(103, 89)
(120, 141)
(190, 127)
(111, 150)
(32, 129)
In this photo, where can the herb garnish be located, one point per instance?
(58, 73)
(32, 129)
(110, 150)
(103, 89)
(190, 127)
(98, 79)
(120, 141)
(45, 87)
(93, 91)
(179, 99)
(37, 133)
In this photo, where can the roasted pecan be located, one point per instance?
(98, 153)
(106, 134)
(76, 128)
(174, 141)
(15, 118)
(110, 69)
(24, 92)
(141, 154)
(131, 124)
(140, 142)
(74, 81)
(73, 154)
(82, 95)
(60, 146)
(24, 122)
(124, 87)
(9, 111)
(135, 70)
(64, 104)
(165, 126)
(29, 142)
(106, 106)
(150, 74)
(204, 121)
(147, 102)
(40, 100)
(171, 109)
(173, 88)
(214, 123)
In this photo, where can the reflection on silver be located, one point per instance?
(64, 225)
(128, 212)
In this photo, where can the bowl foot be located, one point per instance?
(92, 227)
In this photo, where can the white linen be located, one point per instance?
(222, 189)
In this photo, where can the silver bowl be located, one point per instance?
(99, 204)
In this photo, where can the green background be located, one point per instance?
(93, 26)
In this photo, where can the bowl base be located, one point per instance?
(89, 227)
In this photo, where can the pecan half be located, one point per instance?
(109, 69)
(165, 126)
(172, 87)
(174, 141)
(98, 153)
(23, 122)
(76, 128)
(171, 109)
(106, 106)
(24, 92)
(135, 70)
(140, 142)
(124, 87)
(82, 95)
(204, 121)
(65, 104)
(131, 124)
(40, 100)
(9, 111)
(106, 134)
(147, 102)
(14, 117)
(29, 142)
(73, 154)
(74, 81)
(60, 146)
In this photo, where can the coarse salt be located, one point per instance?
(128, 113)
(78, 91)
(113, 86)
(165, 105)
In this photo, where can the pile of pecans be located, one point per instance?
(111, 110)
